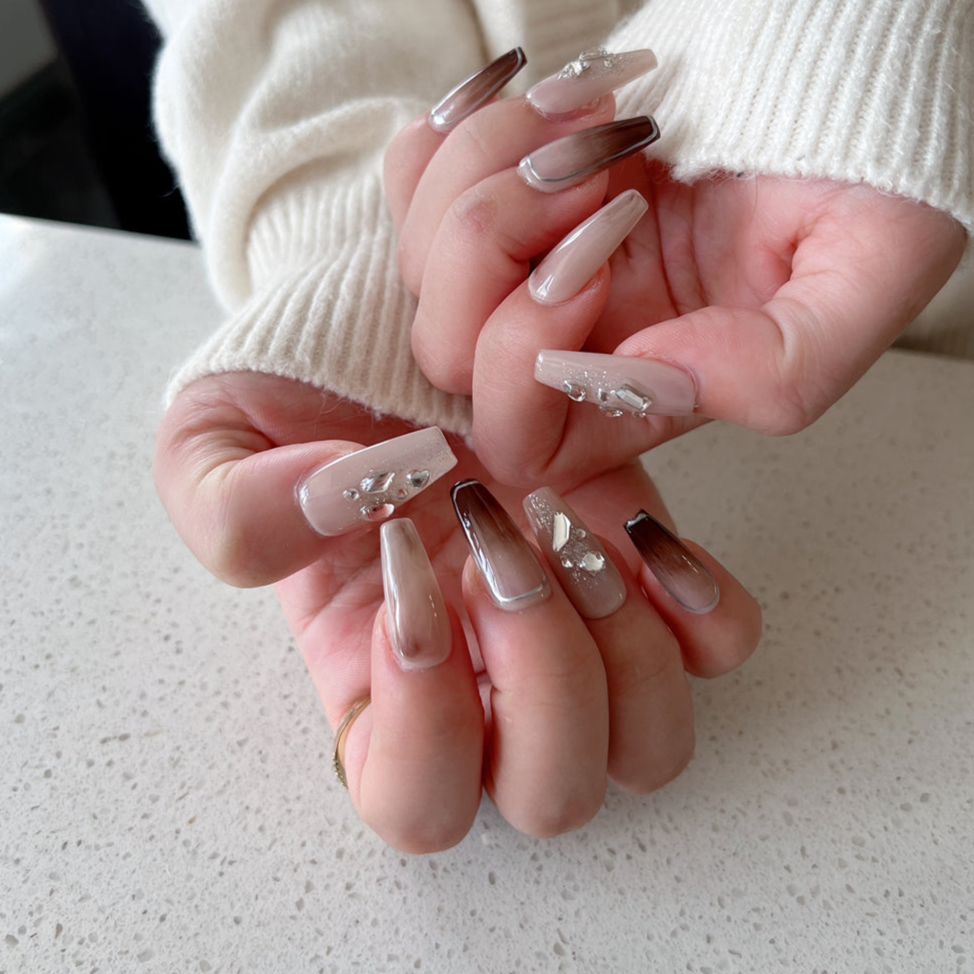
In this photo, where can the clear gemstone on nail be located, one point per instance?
(417, 478)
(378, 512)
(351, 494)
(581, 533)
(567, 563)
(592, 562)
(561, 531)
(575, 392)
(378, 483)
(611, 411)
(638, 402)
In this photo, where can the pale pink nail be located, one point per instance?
(573, 262)
(618, 385)
(416, 615)
(583, 567)
(568, 161)
(590, 76)
(370, 484)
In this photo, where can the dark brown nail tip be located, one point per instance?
(463, 100)
(684, 577)
(506, 562)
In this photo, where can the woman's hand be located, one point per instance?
(577, 674)
(756, 300)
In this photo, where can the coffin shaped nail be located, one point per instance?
(416, 616)
(566, 162)
(679, 571)
(507, 565)
(476, 90)
(573, 262)
(581, 564)
(370, 484)
(619, 386)
(590, 76)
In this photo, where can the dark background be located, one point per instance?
(76, 140)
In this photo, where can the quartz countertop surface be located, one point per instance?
(167, 797)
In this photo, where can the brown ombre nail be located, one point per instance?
(505, 561)
(476, 90)
(686, 580)
(566, 162)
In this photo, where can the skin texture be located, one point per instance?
(551, 706)
(774, 295)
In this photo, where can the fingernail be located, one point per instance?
(618, 385)
(476, 90)
(586, 572)
(370, 484)
(416, 616)
(507, 565)
(566, 162)
(573, 262)
(678, 570)
(590, 76)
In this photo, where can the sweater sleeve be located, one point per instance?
(276, 117)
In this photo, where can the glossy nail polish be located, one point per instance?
(505, 561)
(678, 570)
(583, 567)
(566, 162)
(476, 90)
(573, 262)
(370, 484)
(619, 386)
(586, 79)
(416, 615)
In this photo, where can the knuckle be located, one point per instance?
(447, 365)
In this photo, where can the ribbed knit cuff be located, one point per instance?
(875, 91)
(328, 307)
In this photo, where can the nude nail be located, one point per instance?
(619, 386)
(568, 161)
(574, 261)
(371, 484)
(416, 615)
(505, 561)
(476, 90)
(586, 79)
(685, 578)
(581, 564)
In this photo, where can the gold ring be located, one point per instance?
(338, 755)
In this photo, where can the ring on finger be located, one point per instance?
(338, 754)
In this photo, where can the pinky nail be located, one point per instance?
(568, 161)
(684, 577)
(574, 261)
(586, 79)
(370, 484)
(618, 385)
(583, 566)
(476, 91)
(506, 563)
(417, 618)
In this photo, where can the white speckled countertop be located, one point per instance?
(167, 799)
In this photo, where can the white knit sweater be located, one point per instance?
(276, 115)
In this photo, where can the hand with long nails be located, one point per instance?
(594, 306)
(582, 639)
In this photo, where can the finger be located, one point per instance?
(860, 275)
(548, 725)
(414, 761)
(650, 710)
(715, 619)
(411, 150)
(496, 138)
(253, 512)
(527, 431)
(481, 253)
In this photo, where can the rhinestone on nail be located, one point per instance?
(378, 512)
(561, 530)
(585, 60)
(592, 562)
(575, 392)
(378, 483)
(417, 478)
(351, 494)
(636, 401)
